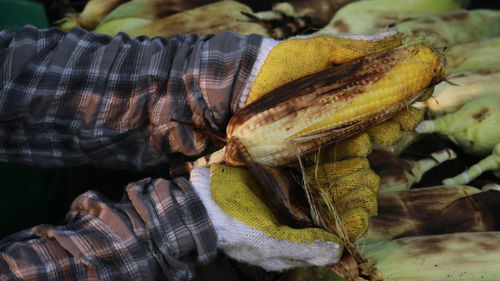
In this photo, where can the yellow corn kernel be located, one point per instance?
(412, 75)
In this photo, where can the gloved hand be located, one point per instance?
(475, 128)
(248, 231)
(283, 61)
(246, 228)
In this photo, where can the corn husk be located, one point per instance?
(121, 25)
(325, 107)
(240, 27)
(474, 127)
(139, 13)
(398, 174)
(404, 213)
(470, 85)
(458, 256)
(207, 18)
(93, 13)
(153, 9)
(482, 54)
(453, 28)
(366, 17)
(320, 11)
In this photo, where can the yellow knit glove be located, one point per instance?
(342, 171)
(387, 133)
(298, 57)
(350, 190)
(248, 231)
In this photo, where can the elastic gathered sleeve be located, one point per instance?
(68, 99)
(160, 229)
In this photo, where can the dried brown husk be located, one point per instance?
(397, 174)
(153, 9)
(429, 210)
(206, 17)
(320, 11)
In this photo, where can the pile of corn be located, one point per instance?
(434, 233)
(164, 18)
(439, 232)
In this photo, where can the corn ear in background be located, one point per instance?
(458, 256)
(320, 11)
(207, 17)
(93, 13)
(121, 25)
(398, 174)
(405, 213)
(453, 28)
(366, 17)
(240, 27)
(476, 55)
(470, 85)
(474, 126)
(331, 105)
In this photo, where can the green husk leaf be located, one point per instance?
(458, 256)
(121, 25)
(453, 28)
(481, 54)
(366, 17)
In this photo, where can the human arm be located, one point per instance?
(68, 99)
(159, 228)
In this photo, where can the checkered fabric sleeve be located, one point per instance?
(68, 99)
(157, 231)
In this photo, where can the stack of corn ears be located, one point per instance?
(366, 17)
(161, 18)
(398, 174)
(93, 13)
(436, 233)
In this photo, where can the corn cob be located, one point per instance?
(190, 21)
(366, 17)
(331, 105)
(474, 127)
(93, 13)
(458, 256)
(153, 9)
(397, 174)
(240, 27)
(468, 86)
(121, 25)
(404, 213)
(482, 54)
(320, 11)
(137, 13)
(453, 28)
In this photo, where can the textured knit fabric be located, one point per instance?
(122, 102)
(262, 246)
(158, 230)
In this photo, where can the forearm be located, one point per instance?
(159, 228)
(82, 98)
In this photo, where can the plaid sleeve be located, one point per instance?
(160, 229)
(76, 98)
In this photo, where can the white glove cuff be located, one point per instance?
(250, 245)
(265, 48)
